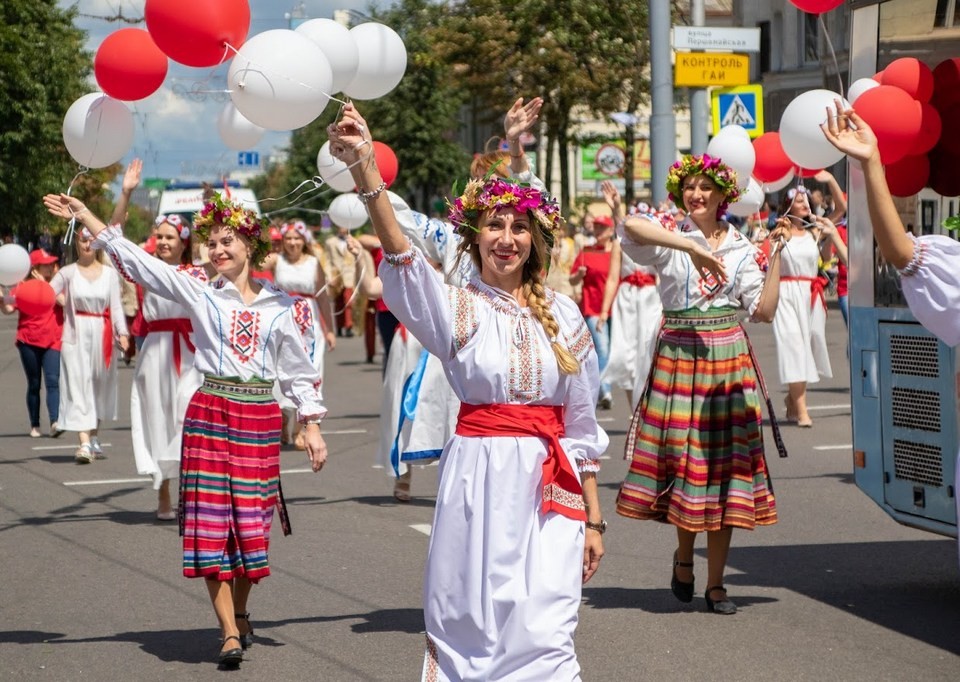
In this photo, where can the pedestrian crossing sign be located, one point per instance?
(740, 105)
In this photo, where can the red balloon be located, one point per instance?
(946, 84)
(910, 75)
(386, 162)
(908, 176)
(772, 162)
(895, 118)
(129, 65)
(808, 172)
(944, 179)
(34, 297)
(950, 135)
(930, 128)
(878, 76)
(816, 6)
(197, 32)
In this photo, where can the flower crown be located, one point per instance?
(494, 192)
(299, 227)
(219, 211)
(722, 175)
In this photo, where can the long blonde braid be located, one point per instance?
(537, 301)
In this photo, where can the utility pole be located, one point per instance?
(663, 124)
(698, 96)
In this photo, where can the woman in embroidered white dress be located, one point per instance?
(299, 273)
(247, 334)
(929, 265)
(93, 323)
(509, 549)
(800, 325)
(165, 378)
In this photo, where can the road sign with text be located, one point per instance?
(703, 69)
(248, 158)
(741, 105)
(716, 38)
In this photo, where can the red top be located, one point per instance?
(43, 329)
(377, 254)
(841, 267)
(597, 261)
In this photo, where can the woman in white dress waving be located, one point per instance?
(93, 323)
(510, 547)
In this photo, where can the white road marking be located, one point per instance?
(108, 481)
(848, 446)
(838, 406)
(344, 432)
(604, 420)
(66, 446)
(424, 528)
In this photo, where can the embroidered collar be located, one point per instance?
(268, 289)
(500, 300)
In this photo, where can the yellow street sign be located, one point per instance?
(703, 69)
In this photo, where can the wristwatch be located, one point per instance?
(599, 527)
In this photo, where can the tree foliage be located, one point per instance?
(43, 68)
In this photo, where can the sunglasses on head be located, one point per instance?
(792, 192)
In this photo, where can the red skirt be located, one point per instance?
(229, 483)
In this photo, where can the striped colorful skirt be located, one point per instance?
(696, 439)
(230, 480)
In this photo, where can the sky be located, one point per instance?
(175, 135)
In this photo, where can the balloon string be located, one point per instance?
(246, 69)
(72, 225)
(833, 54)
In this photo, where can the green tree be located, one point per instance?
(43, 68)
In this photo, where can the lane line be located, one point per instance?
(848, 446)
(344, 432)
(422, 528)
(838, 406)
(66, 446)
(108, 481)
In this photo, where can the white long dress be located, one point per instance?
(161, 389)
(634, 324)
(502, 584)
(418, 411)
(88, 384)
(799, 327)
(301, 280)
(931, 286)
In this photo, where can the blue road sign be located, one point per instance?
(248, 158)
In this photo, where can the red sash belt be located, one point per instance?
(562, 492)
(107, 333)
(639, 279)
(181, 328)
(816, 288)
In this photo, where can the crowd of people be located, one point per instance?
(503, 333)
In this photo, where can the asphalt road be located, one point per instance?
(92, 587)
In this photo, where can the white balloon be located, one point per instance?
(383, 60)
(280, 80)
(732, 145)
(334, 171)
(236, 131)
(338, 45)
(777, 185)
(860, 86)
(346, 210)
(800, 132)
(14, 264)
(750, 201)
(97, 130)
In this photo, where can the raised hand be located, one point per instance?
(521, 117)
(857, 140)
(350, 140)
(62, 206)
(612, 196)
(131, 178)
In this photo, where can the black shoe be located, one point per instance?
(681, 590)
(606, 402)
(348, 332)
(246, 639)
(722, 606)
(230, 658)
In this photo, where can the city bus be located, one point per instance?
(904, 381)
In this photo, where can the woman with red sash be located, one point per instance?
(165, 378)
(509, 548)
(92, 319)
(799, 328)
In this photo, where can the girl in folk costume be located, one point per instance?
(632, 303)
(799, 327)
(247, 334)
(165, 378)
(298, 272)
(93, 322)
(509, 549)
(696, 439)
(928, 265)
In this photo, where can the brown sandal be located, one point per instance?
(401, 487)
